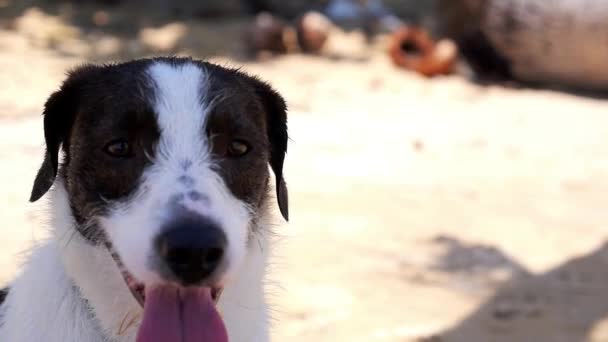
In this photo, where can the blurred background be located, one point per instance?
(448, 166)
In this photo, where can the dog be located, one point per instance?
(161, 200)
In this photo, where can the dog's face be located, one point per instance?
(166, 161)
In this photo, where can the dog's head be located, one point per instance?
(166, 162)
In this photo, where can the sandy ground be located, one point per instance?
(422, 210)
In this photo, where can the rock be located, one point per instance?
(313, 29)
(559, 43)
(267, 33)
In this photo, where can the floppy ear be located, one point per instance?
(59, 113)
(276, 127)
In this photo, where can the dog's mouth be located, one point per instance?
(138, 290)
(172, 313)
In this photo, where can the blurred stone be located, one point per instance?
(267, 33)
(101, 18)
(553, 43)
(313, 29)
(459, 17)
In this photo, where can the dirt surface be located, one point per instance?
(422, 210)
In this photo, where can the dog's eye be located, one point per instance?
(238, 148)
(118, 148)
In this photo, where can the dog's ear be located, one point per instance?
(59, 113)
(276, 127)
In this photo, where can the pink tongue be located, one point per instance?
(181, 315)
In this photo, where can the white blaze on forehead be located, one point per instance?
(181, 174)
(181, 106)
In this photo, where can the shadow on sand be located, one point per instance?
(565, 304)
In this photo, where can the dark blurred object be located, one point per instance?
(110, 2)
(559, 43)
(414, 11)
(101, 18)
(461, 20)
(267, 33)
(313, 29)
(185, 8)
(289, 9)
(412, 48)
(256, 6)
(203, 9)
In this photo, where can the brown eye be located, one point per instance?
(118, 148)
(238, 148)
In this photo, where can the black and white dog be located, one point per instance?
(160, 207)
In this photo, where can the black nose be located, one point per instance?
(192, 250)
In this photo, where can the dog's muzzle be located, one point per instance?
(189, 254)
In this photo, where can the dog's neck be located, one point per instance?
(72, 291)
